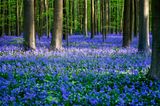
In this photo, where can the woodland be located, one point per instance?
(79, 53)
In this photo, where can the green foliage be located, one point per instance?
(8, 15)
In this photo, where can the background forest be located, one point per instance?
(74, 14)
(79, 52)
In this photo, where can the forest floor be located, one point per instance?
(88, 72)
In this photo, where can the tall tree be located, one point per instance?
(126, 24)
(47, 17)
(41, 10)
(95, 16)
(106, 17)
(136, 8)
(101, 17)
(144, 26)
(154, 72)
(70, 17)
(17, 18)
(56, 42)
(85, 18)
(132, 19)
(29, 25)
(65, 20)
(92, 19)
(9, 17)
(1, 17)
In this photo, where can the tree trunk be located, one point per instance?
(144, 26)
(70, 17)
(65, 20)
(17, 18)
(132, 19)
(21, 17)
(85, 19)
(136, 18)
(95, 16)
(154, 72)
(56, 42)
(9, 18)
(92, 19)
(1, 20)
(103, 21)
(29, 25)
(41, 9)
(47, 17)
(106, 17)
(101, 17)
(73, 16)
(126, 24)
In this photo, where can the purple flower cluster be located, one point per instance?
(88, 72)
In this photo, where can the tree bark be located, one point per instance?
(65, 27)
(92, 19)
(95, 16)
(17, 18)
(144, 26)
(126, 24)
(47, 17)
(106, 17)
(154, 72)
(41, 9)
(85, 19)
(29, 25)
(9, 18)
(56, 42)
(70, 17)
(136, 17)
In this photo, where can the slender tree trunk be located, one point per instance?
(116, 17)
(85, 19)
(111, 16)
(65, 29)
(154, 72)
(56, 42)
(95, 16)
(144, 26)
(70, 19)
(17, 18)
(80, 16)
(126, 24)
(150, 13)
(21, 17)
(9, 18)
(51, 18)
(29, 25)
(135, 18)
(47, 17)
(1, 15)
(132, 19)
(92, 19)
(122, 18)
(41, 8)
(106, 17)
(101, 17)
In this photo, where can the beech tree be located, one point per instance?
(17, 18)
(126, 24)
(85, 18)
(29, 25)
(144, 26)
(92, 19)
(56, 42)
(154, 72)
